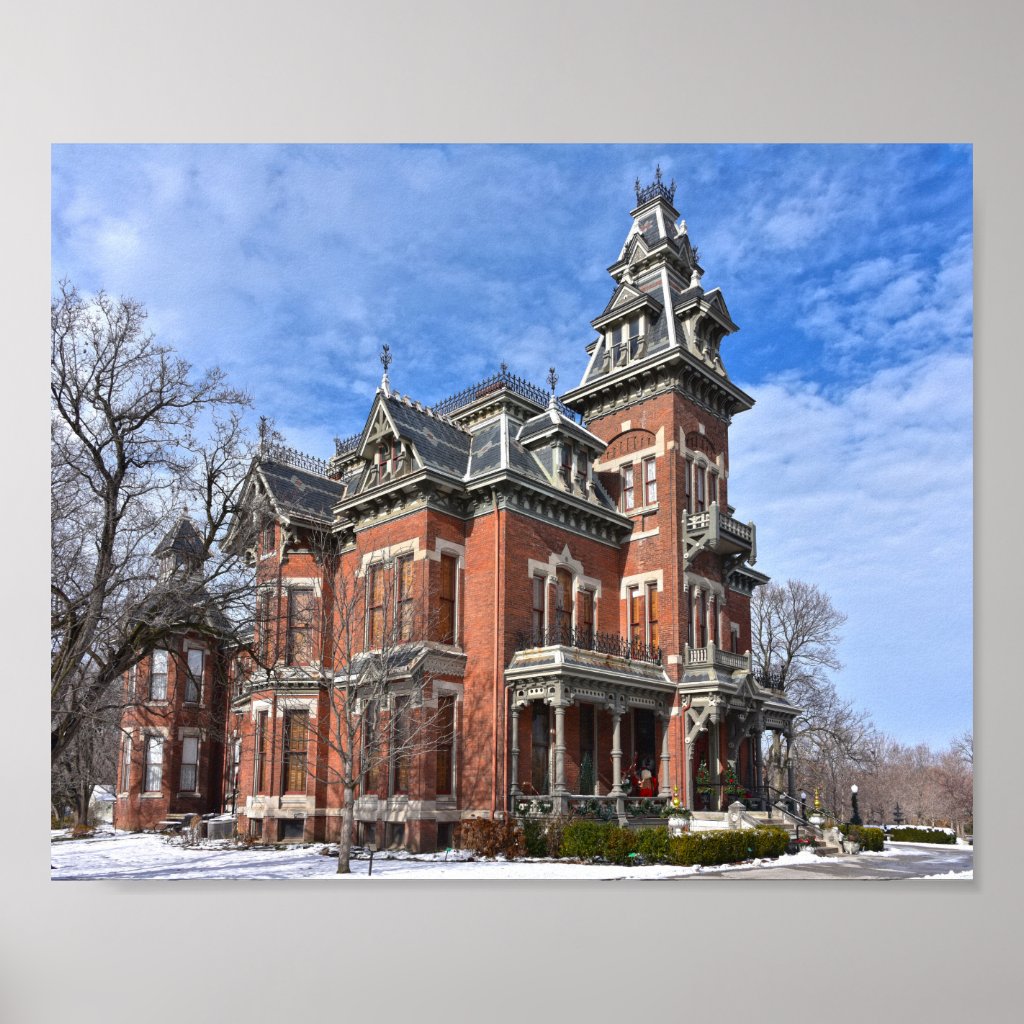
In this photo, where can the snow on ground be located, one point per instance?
(128, 855)
(949, 875)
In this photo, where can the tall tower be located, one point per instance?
(656, 390)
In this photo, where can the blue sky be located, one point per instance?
(848, 268)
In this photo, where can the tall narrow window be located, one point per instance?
(713, 620)
(369, 763)
(650, 482)
(633, 329)
(194, 676)
(734, 631)
(539, 583)
(126, 764)
(446, 599)
(581, 469)
(689, 486)
(133, 674)
(267, 537)
(445, 759)
(375, 590)
(636, 617)
(405, 605)
(698, 618)
(264, 629)
(189, 765)
(262, 742)
(300, 626)
(712, 487)
(296, 739)
(585, 631)
(628, 497)
(653, 637)
(158, 675)
(401, 755)
(700, 489)
(154, 770)
(563, 605)
(566, 465)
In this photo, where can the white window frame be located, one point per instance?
(191, 677)
(153, 672)
(153, 742)
(182, 788)
(126, 764)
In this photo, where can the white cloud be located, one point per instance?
(867, 493)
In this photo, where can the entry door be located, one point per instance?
(643, 741)
(539, 747)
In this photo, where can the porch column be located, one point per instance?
(515, 750)
(559, 786)
(664, 789)
(790, 768)
(756, 740)
(616, 754)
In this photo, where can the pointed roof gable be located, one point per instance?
(183, 539)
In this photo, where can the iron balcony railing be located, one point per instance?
(770, 680)
(583, 640)
(497, 381)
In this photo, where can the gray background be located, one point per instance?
(526, 71)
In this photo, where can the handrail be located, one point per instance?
(584, 640)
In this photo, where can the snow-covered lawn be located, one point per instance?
(125, 855)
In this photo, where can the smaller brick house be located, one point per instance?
(172, 745)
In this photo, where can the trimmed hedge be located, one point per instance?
(590, 840)
(921, 835)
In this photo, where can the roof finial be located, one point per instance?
(552, 383)
(658, 189)
(504, 368)
(385, 361)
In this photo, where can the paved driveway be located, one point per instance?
(900, 860)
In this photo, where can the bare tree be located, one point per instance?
(135, 435)
(795, 635)
(360, 643)
(89, 760)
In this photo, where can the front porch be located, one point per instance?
(588, 727)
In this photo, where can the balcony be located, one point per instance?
(600, 643)
(714, 657)
(713, 530)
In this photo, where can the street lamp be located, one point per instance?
(855, 817)
(803, 804)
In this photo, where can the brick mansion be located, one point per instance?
(536, 603)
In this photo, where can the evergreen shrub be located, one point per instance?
(921, 835)
(584, 840)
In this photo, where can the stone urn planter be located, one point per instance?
(677, 824)
(816, 818)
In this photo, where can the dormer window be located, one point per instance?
(566, 469)
(625, 341)
(390, 459)
(581, 469)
